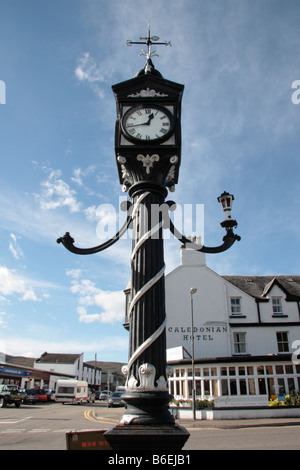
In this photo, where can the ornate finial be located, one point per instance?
(148, 41)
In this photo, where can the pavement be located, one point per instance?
(237, 423)
(113, 415)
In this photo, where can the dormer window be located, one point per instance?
(277, 306)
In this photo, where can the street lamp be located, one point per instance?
(226, 201)
(193, 291)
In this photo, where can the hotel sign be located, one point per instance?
(201, 333)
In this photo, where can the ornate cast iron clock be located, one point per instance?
(148, 133)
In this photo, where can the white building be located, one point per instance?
(245, 331)
(70, 365)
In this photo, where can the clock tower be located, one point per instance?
(148, 133)
(148, 153)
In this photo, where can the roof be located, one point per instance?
(20, 360)
(53, 358)
(260, 286)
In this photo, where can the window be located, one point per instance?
(224, 387)
(239, 343)
(243, 387)
(282, 341)
(233, 387)
(260, 370)
(65, 390)
(277, 306)
(279, 369)
(262, 386)
(236, 306)
(291, 384)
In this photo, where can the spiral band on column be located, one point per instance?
(146, 344)
(146, 286)
(145, 237)
(144, 289)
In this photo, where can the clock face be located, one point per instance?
(147, 122)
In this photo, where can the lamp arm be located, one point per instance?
(228, 240)
(68, 241)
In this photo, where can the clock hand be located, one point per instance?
(136, 125)
(150, 118)
(142, 124)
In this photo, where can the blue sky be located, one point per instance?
(237, 59)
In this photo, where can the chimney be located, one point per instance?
(189, 256)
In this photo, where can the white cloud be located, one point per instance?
(110, 303)
(88, 71)
(14, 247)
(57, 193)
(74, 273)
(11, 284)
(33, 347)
(77, 176)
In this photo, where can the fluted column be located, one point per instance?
(146, 369)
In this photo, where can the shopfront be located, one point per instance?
(13, 375)
(24, 377)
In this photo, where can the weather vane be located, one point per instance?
(148, 41)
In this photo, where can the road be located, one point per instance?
(44, 427)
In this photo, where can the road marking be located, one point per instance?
(62, 430)
(91, 417)
(40, 430)
(9, 431)
(14, 421)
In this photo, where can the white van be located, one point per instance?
(73, 391)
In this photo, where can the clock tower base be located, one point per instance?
(147, 437)
(147, 424)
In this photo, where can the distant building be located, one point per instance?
(111, 376)
(72, 365)
(244, 331)
(43, 372)
(21, 371)
(46, 370)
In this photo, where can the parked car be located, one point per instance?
(41, 394)
(105, 394)
(116, 399)
(30, 397)
(10, 395)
